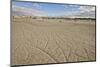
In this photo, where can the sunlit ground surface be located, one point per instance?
(40, 41)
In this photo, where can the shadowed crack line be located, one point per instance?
(86, 52)
(60, 48)
(46, 53)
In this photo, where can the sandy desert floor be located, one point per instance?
(37, 41)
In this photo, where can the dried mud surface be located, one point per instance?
(52, 41)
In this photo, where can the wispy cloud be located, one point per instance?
(25, 11)
(37, 5)
(22, 11)
(87, 11)
(87, 8)
(45, 9)
(84, 12)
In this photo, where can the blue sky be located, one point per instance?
(51, 9)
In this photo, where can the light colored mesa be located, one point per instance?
(40, 41)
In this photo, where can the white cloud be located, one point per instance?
(87, 11)
(18, 10)
(84, 12)
(87, 8)
(37, 5)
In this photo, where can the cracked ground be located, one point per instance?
(52, 41)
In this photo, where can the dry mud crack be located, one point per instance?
(36, 42)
